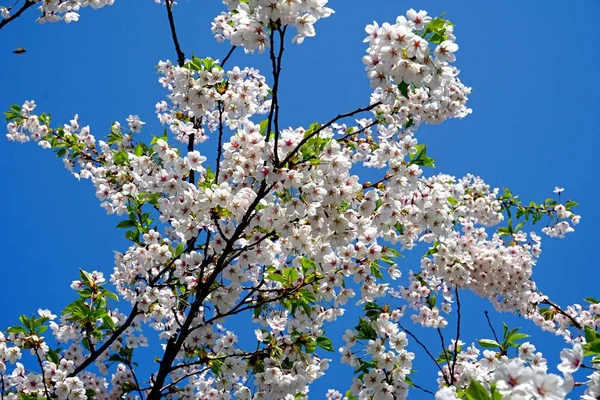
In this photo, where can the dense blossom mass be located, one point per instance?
(282, 228)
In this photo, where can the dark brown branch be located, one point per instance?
(359, 131)
(176, 342)
(327, 125)
(423, 389)
(487, 317)
(135, 379)
(43, 374)
(20, 11)
(227, 56)
(443, 343)
(561, 311)
(276, 70)
(180, 54)
(94, 355)
(219, 145)
(457, 335)
(428, 353)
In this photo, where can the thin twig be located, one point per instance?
(43, 374)
(137, 383)
(560, 310)
(423, 389)
(457, 335)
(227, 56)
(443, 343)
(332, 121)
(220, 144)
(487, 316)
(428, 353)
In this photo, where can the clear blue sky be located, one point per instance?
(532, 64)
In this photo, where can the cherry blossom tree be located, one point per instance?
(280, 227)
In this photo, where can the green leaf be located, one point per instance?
(126, 224)
(431, 301)
(325, 343)
(476, 391)
(421, 158)
(307, 264)
(403, 87)
(592, 347)
(108, 321)
(569, 204)
(452, 200)
(517, 336)
(121, 158)
(277, 277)
(310, 345)
(263, 126)
(139, 150)
(349, 395)
(132, 235)
(375, 271)
(488, 343)
(290, 275)
(592, 300)
(17, 329)
(179, 249)
(365, 330)
(215, 366)
(52, 355)
(85, 277)
(591, 335)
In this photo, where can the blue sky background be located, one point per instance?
(533, 67)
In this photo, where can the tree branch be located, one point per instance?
(94, 355)
(276, 70)
(457, 335)
(487, 316)
(227, 56)
(428, 353)
(180, 54)
(327, 125)
(20, 11)
(561, 311)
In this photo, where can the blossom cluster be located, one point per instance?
(60, 10)
(522, 377)
(247, 23)
(202, 93)
(285, 229)
(415, 80)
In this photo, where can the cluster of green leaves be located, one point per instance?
(90, 311)
(313, 148)
(386, 257)
(138, 219)
(309, 343)
(509, 339)
(421, 158)
(435, 31)
(301, 295)
(201, 64)
(62, 143)
(14, 113)
(533, 212)
(476, 391)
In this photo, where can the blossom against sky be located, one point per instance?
(533, 126)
